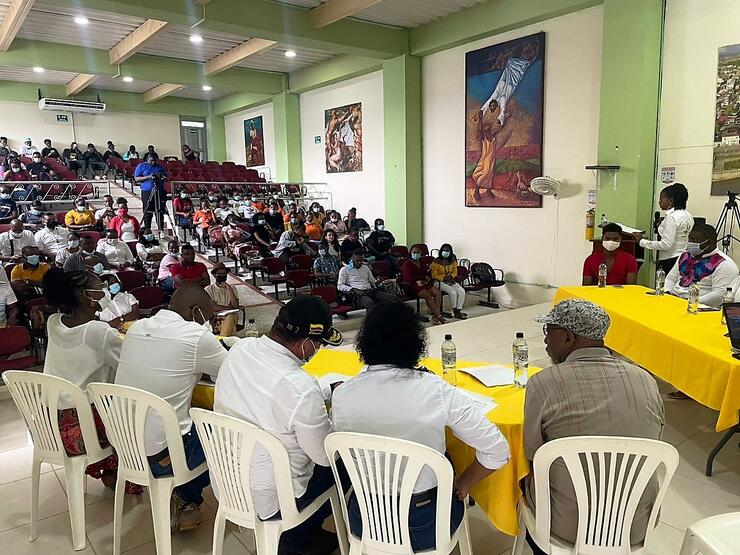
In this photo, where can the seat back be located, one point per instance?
(228, 444)
(13, 339)
(131, 279)
(381, 268)
(326, 292)
(399, 251)
(302, 261)
(273, 266)
(149, 297)
(609, 475)
(383, 472)
(298, 278)
(37, 397)
(126, 411)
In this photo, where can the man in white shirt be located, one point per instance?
(8, 301)
(704, 264)
(262, 382)
(51, 238)
(357, 282)
(166, 355)
(117, 252)
(27, 149)
(13, 241)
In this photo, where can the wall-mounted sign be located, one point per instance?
(317, 140)
(62, 118)
(668, 174)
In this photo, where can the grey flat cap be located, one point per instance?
(583, 318)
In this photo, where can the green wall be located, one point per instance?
(287, 117)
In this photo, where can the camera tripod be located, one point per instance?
(729, 217)
(157, 208)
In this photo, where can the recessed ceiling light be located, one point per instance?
(81, 20)
(290, 54)
(128, 79)
(207, 87)
(38, 69)
(197, 39)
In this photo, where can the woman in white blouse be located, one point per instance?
(394, 398)
(73, 247)
(675, 228)
(117, 252)
(82, 350)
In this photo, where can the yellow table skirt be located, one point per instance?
(498, 494)
(688, 351)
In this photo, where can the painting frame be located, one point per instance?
(499, 161)
(254, 142)
(343, 139)
(725, 177)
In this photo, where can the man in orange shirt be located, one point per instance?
(203, 219)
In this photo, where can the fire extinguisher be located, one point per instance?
(590, 223)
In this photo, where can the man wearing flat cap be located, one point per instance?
(588, 392)
(262, 381)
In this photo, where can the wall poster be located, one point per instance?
(343, 138)
(254, 141)
(726, 167)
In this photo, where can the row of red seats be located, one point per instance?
(59, 168)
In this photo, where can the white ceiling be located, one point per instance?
(199, 94)
(274, 59)
(118, 84)
(27, 75)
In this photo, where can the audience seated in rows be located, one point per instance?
(621, 267)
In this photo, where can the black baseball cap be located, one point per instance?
(307, 316)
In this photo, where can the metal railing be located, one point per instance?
(61, 191)
(305, 191)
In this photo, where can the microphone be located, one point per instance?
(656, 222)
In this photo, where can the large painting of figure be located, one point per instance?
(254, 142)
(343, 138)
(726, 168)
(505, 88)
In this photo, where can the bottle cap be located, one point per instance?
(520, 335)
(448, 337)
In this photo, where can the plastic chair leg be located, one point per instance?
(118, 513)
(219, 529)
(340, 525)
(521, 539)
(464, 536)
(688, 547)
(35, 477)
(267, 538)
(160, 491)
(74, 474)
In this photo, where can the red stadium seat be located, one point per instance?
(329, 294)
(149, 298)
(14, 340)
(131, 279)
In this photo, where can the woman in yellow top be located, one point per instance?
(444, 270)
(81, 217)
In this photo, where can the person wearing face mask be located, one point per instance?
(203, 219)
(123, 308)
(327, 265)
(587, 392)
(73, 158)
(148, 249)
(258, 205)
(621, 267)
(444, 271)
(182, 206)
(81, 350)
(35, 215)
(379, 244)
(417, 283)
(73, 247)
(40, 170)
(262, 236)
(166, 355)
(16, 172)
(313, 228)
(51, 238)
(318, 213)
(104, 215)
(27, 148)
(164, 277)
(187, 270)
(273, 216)
(336, 224)
(261, 381)
(80, 217)
(224, 297)
(293, 220)
(94, 162)
(127, 226)
(357, 283)
(117, 252)
(8, 206)
(87, 259)
(223, 211)
(350, 245)
(26, 277)
(13, 241)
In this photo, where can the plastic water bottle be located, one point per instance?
(693, 306)
(520, 351)
(251, 330)
(602, 274)
(728, 298)
(449, 359)
(604, 221)
(660, 282)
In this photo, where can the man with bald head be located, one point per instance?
(13, 241)
(166, 355)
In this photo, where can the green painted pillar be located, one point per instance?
(402, 148)
(215, 135)
(286, 110)
(628, 118)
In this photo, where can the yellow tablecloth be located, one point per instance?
(688, 351)
(498, 494)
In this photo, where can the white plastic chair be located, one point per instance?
(37, 397)
(228, 444)
(124, 412)
(383, 472)
(609, 475)
(715, 535)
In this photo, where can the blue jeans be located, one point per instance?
(168, 285)
(192, 491)
(422, 519)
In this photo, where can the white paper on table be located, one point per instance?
(492, 375)
(327, 380)
(487, 403)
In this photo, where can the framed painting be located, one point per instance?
(504, 109)
(343, 138)
(254, 142)
(726, 166)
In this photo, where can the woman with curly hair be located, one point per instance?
(394, 397)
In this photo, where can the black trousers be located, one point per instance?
(666, 264)
(151, 206)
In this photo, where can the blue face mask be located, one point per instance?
(98, 268)
(114, 288)
(33, 260)
(351, 265)
(149, 237)
(445, 254)
(415, 256)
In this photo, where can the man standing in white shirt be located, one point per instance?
(13, 241)
(262, 382)
(51, 239)
(166, 355)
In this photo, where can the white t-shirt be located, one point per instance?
(166, 355)
(127, 231)
(82, 354)
(122, 304)
(50, 242)
(118, 254)
(63, 255)
(143, 252)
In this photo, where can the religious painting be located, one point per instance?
(343, 138)
(504, 98)
(254, 141)
(726, 167)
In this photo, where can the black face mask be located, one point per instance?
(51, 225)
(221, 279)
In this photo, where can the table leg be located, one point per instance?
(717, 448)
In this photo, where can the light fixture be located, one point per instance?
(81, 20)
(207, 88)
(290, 54)
(38, 69)
(196, 39)
(128, 79)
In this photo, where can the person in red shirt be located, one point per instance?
(621, 267)
(188, 270)
(418, 283)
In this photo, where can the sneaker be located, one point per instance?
(677, 395)
(185, 516)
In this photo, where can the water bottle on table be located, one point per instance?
(251, 330)
(449, 360)
(602, 274)
(728, 298)
(520, 351)
(693, 305)
(660, 282)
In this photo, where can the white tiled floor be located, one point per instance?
(689, 426)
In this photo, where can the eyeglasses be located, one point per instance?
(550, 327)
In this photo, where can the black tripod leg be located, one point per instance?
(717, 448)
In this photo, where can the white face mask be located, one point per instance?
(303, 350)
(106, 300)
(74, 243)
(610, 246)
(206, 323)
(381, 227)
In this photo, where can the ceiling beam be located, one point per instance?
(14, 18)
(232, 57)
(135, 40)
(79, 83)
(160, 91)
(332, 11)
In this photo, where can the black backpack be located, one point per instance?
(483, 273)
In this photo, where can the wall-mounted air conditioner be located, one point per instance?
(62, 105)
